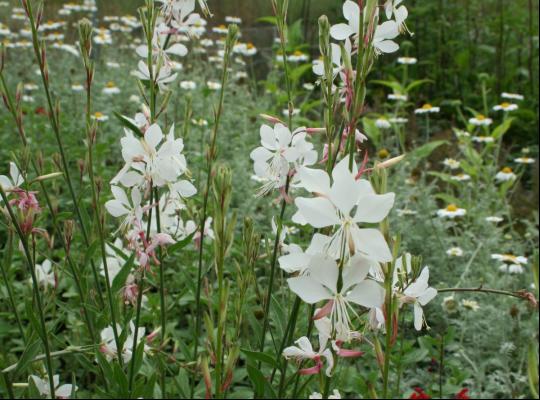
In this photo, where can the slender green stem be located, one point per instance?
(520, 295)
(8, 251)
(212, 154)
(56, 225)
(44, 335)
(90, 138)
(39, 52)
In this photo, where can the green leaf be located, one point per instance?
(120, 279)
(255, 356)
(532, 369)
(500, 130)
(426, 150)
(447, 198)
(180, 244)
(128, 124)
(395, 86)
(270, 20)
(262, 387)
(417, 83)
(30, 352)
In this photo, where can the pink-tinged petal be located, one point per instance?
(368, 294)
(323, 312)
(341, 31)
(346, 353)
(308, 289)
(372, 243)
(374, 208)
(319, 212)
(311, 371)
(350, 10)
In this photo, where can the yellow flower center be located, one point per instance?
(427, 106)
(110, 84)
(451, 208)
(507, 170)
(298, 53)
(510, 257)
(97, 114)
(222, 27)
(505, 105)
(480, 117)
(250, 45)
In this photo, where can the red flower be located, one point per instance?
(463, 394)
(419, 394)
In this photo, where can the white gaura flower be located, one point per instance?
(382, 39)
(60, 391)
(304, 351)
(320, 283)
(451, 211)
(318, 65)
(280, 153)
(121, 206)
(419, 294)
(108, 344)
(158, 47)
(298, 260)
(345, 203)
(162, 76)
(480, 120)
(400, 14)
(115, 262)
(506, 107)
(151, 158)
(316, 395)
(505, 174)
(45, 274)
(13, 181)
